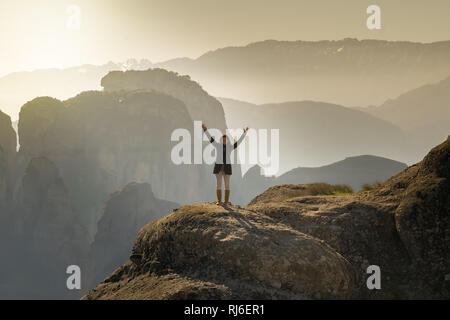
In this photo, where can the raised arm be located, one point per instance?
(237, 143)
(210, 138)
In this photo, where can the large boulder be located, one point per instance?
(422, 217)
(362, 230)
(401, 226)
(206, 251)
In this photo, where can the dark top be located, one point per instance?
(226, 149)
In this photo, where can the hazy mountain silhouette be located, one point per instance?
(348, 72)
(103, 140)
(125, 212)
(423, 113)
(353, 171)
(19, 87)
(313, 134)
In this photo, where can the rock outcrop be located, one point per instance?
(200, 104)
(35, 118)
(402, 226)
(205, 251)
(4, 196)
(292, 242)
(47, 234)
(101, 141)
(8, 140)
(126, 211)
(8, 144)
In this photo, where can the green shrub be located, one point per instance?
(328, 189)
(371, 186)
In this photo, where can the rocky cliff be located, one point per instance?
(46, 235)
(101, 141)
(292, 243)
(200, 104)
(8, 145)
(8, 140)
(208, 252)
(125, 212)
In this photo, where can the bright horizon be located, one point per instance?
(37, 35)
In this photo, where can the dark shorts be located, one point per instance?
(218, 168)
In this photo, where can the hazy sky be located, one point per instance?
(34, 33)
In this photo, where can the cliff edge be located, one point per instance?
(292, 242)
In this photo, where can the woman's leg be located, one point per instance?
(226, 178)
(219, 187)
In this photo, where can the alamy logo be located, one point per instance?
(374, 280)
(256, 149)
(74, 19)
(374, 20)
(74, 280)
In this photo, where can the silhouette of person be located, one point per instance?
(222, 167)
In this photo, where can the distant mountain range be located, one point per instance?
(315, 133)
(415, 121)
(348, 72)
(423, 114)
(353, 171)
(20, 87)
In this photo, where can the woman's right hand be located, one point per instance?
(204, 127)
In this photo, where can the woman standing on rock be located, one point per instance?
(222, 167)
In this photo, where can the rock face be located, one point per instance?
(48, 235)
(102, 141)
(8, 144)
(360, 229)
(35, 118)
(206, 252)
(8, 140)
(124, 214)
(4, 197)
(290, 242)
(402, 226)
(422, 217)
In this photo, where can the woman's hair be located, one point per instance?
(225, 136)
